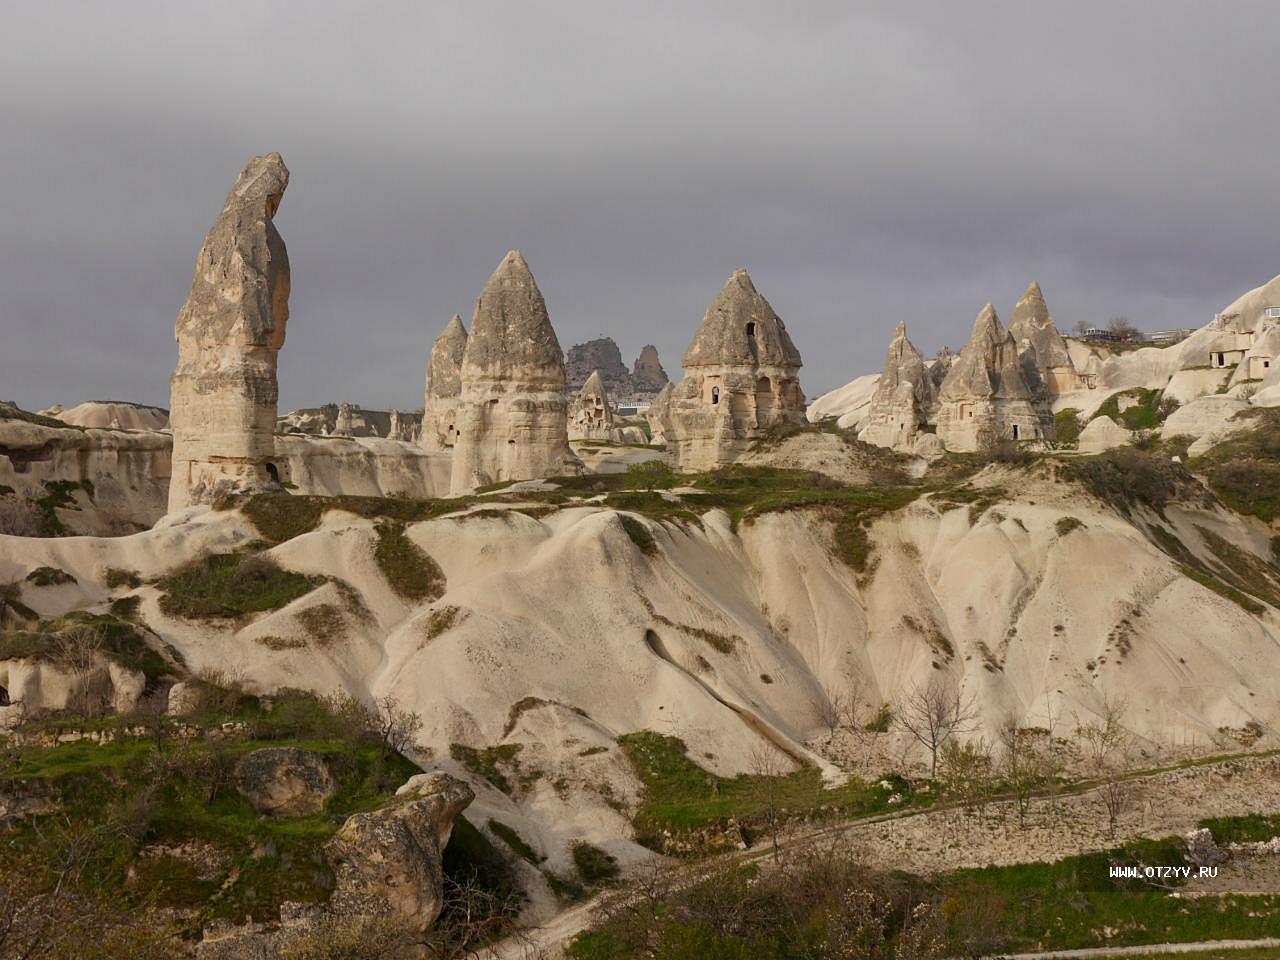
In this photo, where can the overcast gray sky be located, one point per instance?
(866, 162)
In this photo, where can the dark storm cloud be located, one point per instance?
(866, 162)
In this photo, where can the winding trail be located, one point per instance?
(545, 942)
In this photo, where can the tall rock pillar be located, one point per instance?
(224, 389)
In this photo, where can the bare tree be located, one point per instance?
(1026, 762)
(767, 772)
(933, 714)
(11, 603)
(833, 708)
(1108, 751)
(967, 772)
(397, 729)
(1080, 327)
(78, 648)
(1122, 328)
(20, 517)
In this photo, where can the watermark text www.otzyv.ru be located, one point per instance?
(1159, 873)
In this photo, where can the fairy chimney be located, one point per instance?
(590, 417)
(903, 399)
(1033, 329)
(444, 384)
(741, 377)
(224, 392)
(512, 417)
(985, 396)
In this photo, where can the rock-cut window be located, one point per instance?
(751, 329)
(715, 394)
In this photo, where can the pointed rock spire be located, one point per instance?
(740, 328)
(444, 386)
(903, 396)
(511, 328)
(512, 420)
(1032, 323)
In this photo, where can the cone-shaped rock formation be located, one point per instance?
(444, 386)
(740, 378)
(511, 415)
(904, 397)
(985, 396)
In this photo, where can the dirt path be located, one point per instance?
(939, 839)
(1155, 949)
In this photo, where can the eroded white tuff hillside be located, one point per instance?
(564, 630)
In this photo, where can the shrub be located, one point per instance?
(650, 475)
(639, 534)
(1067, 427)
(1066, 524)
(49, 577)
(117, 577)
(516, 842)
(1124, 477)
(231, 585)
(20, 517)
(411, 573)
(594, 866)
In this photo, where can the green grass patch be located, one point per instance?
(1144, 414)
(682, 797)
(117, 578)
(411, 572)
(495, 764)
(118, 640)
(639, 533)
(1251, 828)
(229, 585)
(1243, 471)
(594, 866)
(516, 842)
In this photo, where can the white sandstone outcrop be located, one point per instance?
(904, 399)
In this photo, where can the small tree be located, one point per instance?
(397, 729)
(767, 772)
(833, 708)
(20, 517)
(1121, 327)
(1026, 762)
(967, 772)
(933, 714)
(1108, 752)
(1080, 327)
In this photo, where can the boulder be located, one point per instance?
(1103, 433)
(230, 330)
(387, 862)
(284, 781)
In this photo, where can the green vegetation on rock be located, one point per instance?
(228, 585)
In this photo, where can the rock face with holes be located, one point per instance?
(229, 331)
(387, 862)
(590, 417)
(444, 386)
(985, 397)
(647, 375)
(905, 397)
(512, 417)
(741, 377)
